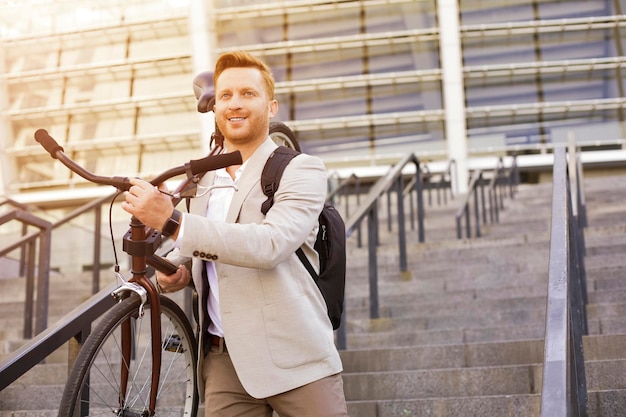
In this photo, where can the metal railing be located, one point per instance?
(31, 244)
(564, 391)
(392, 181)
(441, 185)
(76, 325)
(475, 201)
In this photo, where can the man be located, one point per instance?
(268, 343)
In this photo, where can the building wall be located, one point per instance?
(359, 81)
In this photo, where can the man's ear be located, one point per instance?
(273, 108)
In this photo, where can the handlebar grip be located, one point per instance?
(161, 264)
(211, 163)
(48, 143)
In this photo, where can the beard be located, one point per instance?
(251, 130)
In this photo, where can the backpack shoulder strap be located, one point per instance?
(273, 171)
(270, 179)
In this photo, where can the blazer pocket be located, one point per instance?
(294, 335)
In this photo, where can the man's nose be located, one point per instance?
(234, 102)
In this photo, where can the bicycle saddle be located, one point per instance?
(204, 91)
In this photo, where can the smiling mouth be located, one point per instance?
(236, 119)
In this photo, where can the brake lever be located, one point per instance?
(192, 191)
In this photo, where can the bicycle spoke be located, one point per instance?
(99, 367)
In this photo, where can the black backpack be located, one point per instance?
(330, 243)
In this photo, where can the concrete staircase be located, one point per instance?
(462, 337)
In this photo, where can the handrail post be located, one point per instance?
(482, 201)
(359, 234)
(420, 203)
(43, 280)
(477, 212)
(75, 344)
(95, 271)
(490, 199)
(412, 210)
(389, 219)
(499, 201)
(401, 229)
(23, 251)
(30, 291)
(372, 243)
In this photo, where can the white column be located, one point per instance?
(453, 90)
(203, 38)
(6, 165)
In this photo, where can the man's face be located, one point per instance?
(242, 107)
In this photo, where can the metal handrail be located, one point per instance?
(465, 211)
(564, 391)
(496, 192)
(27, 244)
(392, 180)
(442, 187)
(494, 201)
(74, 326)
(23, 253)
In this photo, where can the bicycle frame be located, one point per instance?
(141, 242)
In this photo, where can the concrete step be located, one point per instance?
(414, 319)
(463, 355)
(399, 296)
(606, 403)
(29, 413)
(376, 338)
(450, 391)
(460, 355)
(502, 406)
(452, 382)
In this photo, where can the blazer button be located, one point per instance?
(196, 253)
(214, 257)
(202, 255)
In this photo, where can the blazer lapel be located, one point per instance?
(250, 178)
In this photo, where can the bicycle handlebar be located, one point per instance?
(194, 167)
(191, 168)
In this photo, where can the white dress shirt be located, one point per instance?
(219, 202)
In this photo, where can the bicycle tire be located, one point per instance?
(281, 134)
(97, 369)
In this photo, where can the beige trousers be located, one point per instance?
(226, 397)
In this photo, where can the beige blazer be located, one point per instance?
(275, 323)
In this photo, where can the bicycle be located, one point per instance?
(127, 367)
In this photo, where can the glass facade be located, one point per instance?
(359, 81)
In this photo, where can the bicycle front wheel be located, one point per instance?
(93, 386)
